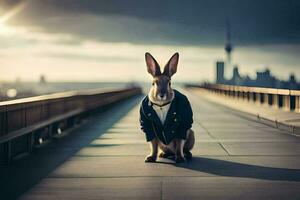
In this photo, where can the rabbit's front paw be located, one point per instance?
(165, 155)
(150, 158)
(180, 159)
(188, 155)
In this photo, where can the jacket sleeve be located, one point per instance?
(146, 126)
(186, 117)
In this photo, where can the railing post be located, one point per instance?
(251, 97)
(233, 94)
(30, 142)
(248, 98)
(227, 93)
(286, 104)
(261, 98)
(297, 103)
(265, 99)
(50, 131)
(257, 98)
(245, 96)
(242, 97)
(275, 101)
(7, 152)
(270, 99)
(239, 95)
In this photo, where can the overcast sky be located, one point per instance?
(95, 40)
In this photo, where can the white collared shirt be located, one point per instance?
(161, 112)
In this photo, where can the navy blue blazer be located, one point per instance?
(178, 120)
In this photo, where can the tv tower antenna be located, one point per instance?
(228, 49)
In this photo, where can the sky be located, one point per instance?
(97, 40)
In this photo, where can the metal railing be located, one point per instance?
(26, 123)
(278, 98)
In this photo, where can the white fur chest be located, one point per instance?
(161, 112)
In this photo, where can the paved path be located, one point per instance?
(235, 158)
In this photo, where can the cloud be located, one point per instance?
(175, 22)
(88, 57)
(106, 40)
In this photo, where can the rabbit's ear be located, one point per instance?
(152, 66)
(171, 66)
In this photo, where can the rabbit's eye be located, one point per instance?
(169, 83)
(152, 83)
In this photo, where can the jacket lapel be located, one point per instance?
(171, 113)
(151, 114)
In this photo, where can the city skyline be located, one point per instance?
(264, 78)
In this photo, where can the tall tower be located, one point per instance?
(228, 49)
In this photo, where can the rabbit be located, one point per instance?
(166, 115)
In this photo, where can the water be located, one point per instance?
(29, 89)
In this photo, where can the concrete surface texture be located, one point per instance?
(234, 158)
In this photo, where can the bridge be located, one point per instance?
(89, 146)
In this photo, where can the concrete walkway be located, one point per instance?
(234, 158)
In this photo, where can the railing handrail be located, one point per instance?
(253, 89)
(28, 129)
(58, 95)
(287, 99)
(23, 121)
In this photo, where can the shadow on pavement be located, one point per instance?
(234, 169)
(22, 174)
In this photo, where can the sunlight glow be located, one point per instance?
(15, 10)
(5, 30)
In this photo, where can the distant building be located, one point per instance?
(263, 79)
(236, 77)
(220, 72)
(293, 83)
(228, 49)
(42, 79)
